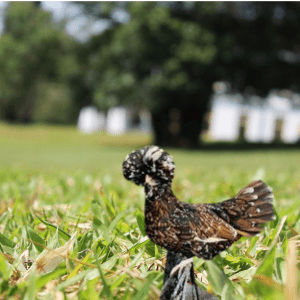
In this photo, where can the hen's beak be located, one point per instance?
(149, 180)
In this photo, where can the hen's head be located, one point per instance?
(152, 161)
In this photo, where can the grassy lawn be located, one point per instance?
(57, 183)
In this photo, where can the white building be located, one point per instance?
(226, 112)
(118, 120)
(278, 116)
(90, 120)
(123, 119)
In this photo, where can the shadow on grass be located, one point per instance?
(227, 146)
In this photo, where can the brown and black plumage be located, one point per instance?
(202, 230)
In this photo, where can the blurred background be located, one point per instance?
(177, 74)
(82, 84)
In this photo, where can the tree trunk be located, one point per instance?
(179, 126)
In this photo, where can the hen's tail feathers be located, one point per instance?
(252, 206)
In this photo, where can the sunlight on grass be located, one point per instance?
(50, 148)
(55, 182)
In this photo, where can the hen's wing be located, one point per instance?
(207, 229)
(196, 230)
(213, 234)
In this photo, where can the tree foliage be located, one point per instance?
(154, 52)
(164, 56)
(159, 60)
(36, 60)
(167, 56)
(264, 49)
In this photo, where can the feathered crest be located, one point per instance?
(152, 161)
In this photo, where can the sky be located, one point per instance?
(79, 26)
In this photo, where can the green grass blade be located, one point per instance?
(140, 218)
(38, 242)
(6, 242)
(106, 289)
(142, 293)
(52, 227)
(219, 281)
(116, 220)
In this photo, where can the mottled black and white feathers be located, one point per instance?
(151, 161)
(201, 230)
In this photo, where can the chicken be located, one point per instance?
(201, 230)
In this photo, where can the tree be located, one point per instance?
(158, 60)
(36, 62)
(168, 55)
(263, 45)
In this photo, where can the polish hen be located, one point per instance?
(201, 230)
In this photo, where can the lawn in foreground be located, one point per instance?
(55, 182)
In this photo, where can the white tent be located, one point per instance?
(262, 118)
(90, 120)
(225, 118)
(116, 120)
(253, 132)
(291, 128)
(122, 119)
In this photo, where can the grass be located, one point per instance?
(57, 184)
